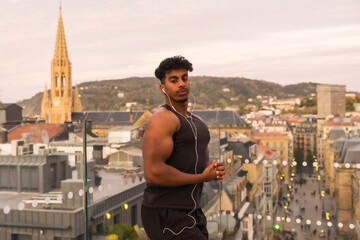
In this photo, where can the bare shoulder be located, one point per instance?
(163, 119)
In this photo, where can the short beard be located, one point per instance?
(179, 101)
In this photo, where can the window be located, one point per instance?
(53, 171)
(8, 178)
(267, 189)
(20, 237)
(78, 156)
(117, 219)
(274, 145)
(245, 225)
(63, 170)
(29, 178)
(134, 215)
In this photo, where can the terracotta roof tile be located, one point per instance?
(267, 152)
(339, 121)
(35, 131)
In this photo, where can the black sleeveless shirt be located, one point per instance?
(183, 158)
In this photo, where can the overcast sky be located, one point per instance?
(282, 41)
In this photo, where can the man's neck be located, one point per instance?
(179, 107)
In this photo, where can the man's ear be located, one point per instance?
(162, 88)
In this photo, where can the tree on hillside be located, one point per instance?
(350, 104)
(308, 102)
(242, 111)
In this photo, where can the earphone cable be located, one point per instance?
(195, 132)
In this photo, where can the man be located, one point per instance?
(176, 160)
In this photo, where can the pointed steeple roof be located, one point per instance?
(60, 45)
(46, 94)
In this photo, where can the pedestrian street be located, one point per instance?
(304, 214)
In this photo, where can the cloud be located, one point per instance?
(281, 41)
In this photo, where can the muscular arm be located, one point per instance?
(158, 146)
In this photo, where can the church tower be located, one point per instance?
(61, 102)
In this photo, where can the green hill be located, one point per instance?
(210, 92)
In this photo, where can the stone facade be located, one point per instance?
(305, 135)
(330, 100)
(281, 143)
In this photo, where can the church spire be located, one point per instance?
(60, 46)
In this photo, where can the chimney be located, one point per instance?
(4, 136)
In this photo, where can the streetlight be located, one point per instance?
(106, 224)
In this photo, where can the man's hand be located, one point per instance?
(215, 171)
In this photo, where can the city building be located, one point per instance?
(105, 120)
(282, 144)
(330, 100)
(326, 125)
(225, 120)
(285, 104)
(342, 177)
(346, 183)
(305, 133)
(270, 124)
(10, 115)
(270, 188)
(256, 162)
(42, 197)
(62, 101)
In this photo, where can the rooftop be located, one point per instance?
(339, 121)
(35, 132)
(5, 105)
(212, 117)
(112, 183)
(107, 117)
(270, 134)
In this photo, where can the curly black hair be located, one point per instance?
(168, 64)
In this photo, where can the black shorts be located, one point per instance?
(155, 220)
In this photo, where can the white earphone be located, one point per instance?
(194, 131)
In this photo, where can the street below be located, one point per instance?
(303, 213)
